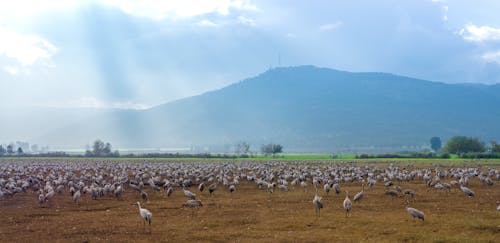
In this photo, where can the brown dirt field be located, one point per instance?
(252, 215)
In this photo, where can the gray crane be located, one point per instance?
(360, 194)
(415, 213)
(189, 194)
(467, 191)
(76, 196)
(212, 188)
(347, 204)
(192, 204)
(318, 205)
(145, 214)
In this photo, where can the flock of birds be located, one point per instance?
(110, 179)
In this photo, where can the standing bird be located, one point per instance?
(360, 194)
(144, 196)
(145, 214)
(232, 188)
(318, 205)
(414, 212)
(170, 190)
(467, 191)
(201, 187)
(41, 198)
(212, 188)
(347, 203)
(327, 188)
(336, 186)
(270, 187)
(76, 196)
(49, 196)
(303, 184)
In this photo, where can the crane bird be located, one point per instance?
(327, 188)
(192, 204)
(392, 193)
(410, 192)
(303, 184)
(467, 191)
(347, 203)
(270, 187)
(232, 188)
(415, 213)
(49, 196)
(144, 196)
(41, 198)
(201, 187)
(76, 196)
(336, 186)
(170, 190)
(360, 194)
(189, 194)
(318, 205)
(145, 214)
(212, 188)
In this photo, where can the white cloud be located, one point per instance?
(28, 8)
(479, 34)
(445, 9)
(161, 9)
(246, 21)
(92, 102)
(330, 26)
(206, 23)
(26, 49)
(492, 56)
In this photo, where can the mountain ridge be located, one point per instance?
(309, 109)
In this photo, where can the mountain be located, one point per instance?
(307, 109)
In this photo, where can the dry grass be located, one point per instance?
(252, 215)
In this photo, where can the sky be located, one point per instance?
(137, 54)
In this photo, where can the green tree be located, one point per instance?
(10, 149)
(34, 148)
(436, 144)
(2, 150)
(242, 148)
(19, 151)
(495, 147)
(99, 148)
(271, 149)
(462, 144)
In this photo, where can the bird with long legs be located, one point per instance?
(347, 204)
(145, 214)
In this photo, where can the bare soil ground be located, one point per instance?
(253, 215)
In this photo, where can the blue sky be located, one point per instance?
(137, 54)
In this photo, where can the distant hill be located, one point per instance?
(307, 109)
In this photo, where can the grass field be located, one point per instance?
(253, 215)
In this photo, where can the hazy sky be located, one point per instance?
(135, 54)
